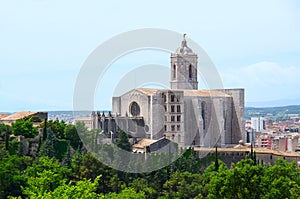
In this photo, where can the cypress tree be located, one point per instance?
(216, 160)
(48, 146)
(45, 129)
(6, 140)
(122, 141)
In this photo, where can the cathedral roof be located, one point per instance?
(147, 91)
(201, 93)
(205, 93)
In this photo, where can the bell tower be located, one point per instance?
(184, 68)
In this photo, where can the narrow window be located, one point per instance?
(190, 71)
(178, 127)
(203, 107)
(172, 127)
(172, 109)
(174, 71)
(164, 97)
(165, 129)
(172, 118)
(172, 98)
(178, 109)
(178, 118)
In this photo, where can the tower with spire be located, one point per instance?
(184, 68)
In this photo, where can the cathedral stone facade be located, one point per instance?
(182, 114)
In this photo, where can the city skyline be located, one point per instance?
(44, 43)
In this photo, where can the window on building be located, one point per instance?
(165, 108)
(190, 71)
(177, 98)
(203, 107)
(178, 109)
(164, 97)
(178, 127)
(172, 127)
(172, 109)
(172, 118)
(174, 71)
(166, 118)
(165, 129)
(178, 118)
(172, 98)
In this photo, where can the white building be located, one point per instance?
(258, 124)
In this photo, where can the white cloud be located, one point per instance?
(265, 81)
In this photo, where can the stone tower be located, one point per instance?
(184, 68)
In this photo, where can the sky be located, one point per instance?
(43, 44)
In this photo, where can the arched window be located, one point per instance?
(174, 71)
(203, 107)
(190, 71)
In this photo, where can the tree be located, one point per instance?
(122, 141)
(48, 146)
(142, 185)
(242, 181)
(52, 183)
(5, 132)
(216, 160)
(25, 128)
(183, 185)
(44, 176)
(81, 190)
(11, 178)
(127, 193)
(71, 134)
(281, 180)
(58, 127)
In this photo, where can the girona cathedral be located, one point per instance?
(182, 114)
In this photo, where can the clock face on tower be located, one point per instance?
(134, 109)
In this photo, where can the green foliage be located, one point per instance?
(142, 185)
(58, 127)
(77, 174)
(122, 141)
(35, 118)
(14, 146)
(248, 180)
(127, 193)
(81, 190)
(25, 128)
(72, 135)
(216, 160)
(4, 129)
(61, 148)
(281, 180)
(183, 185)
(44, 176)
(11, 178)
(48, 146)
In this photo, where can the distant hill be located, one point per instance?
(281, 112)
(274, 103)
